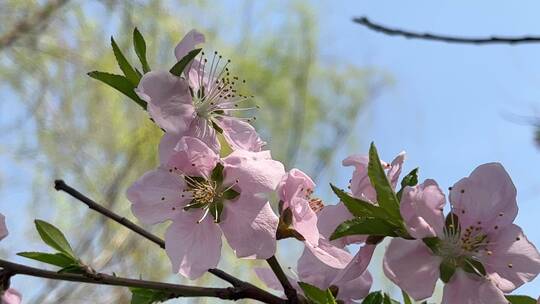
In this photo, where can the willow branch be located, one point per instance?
(444, 38)
(248, 288)
(290, 292)
(29, 24)
(172, 290)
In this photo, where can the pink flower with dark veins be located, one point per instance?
(200, 106)
(295, 191)
(205, 196)
(479, 229)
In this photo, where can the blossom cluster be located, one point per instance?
(216, 179)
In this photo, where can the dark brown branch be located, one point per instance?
(173, 290)
(443, 38)
(290, 292)
(248, 289)
(29, 24)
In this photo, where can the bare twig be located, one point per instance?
(290, 292)
(172, 290)
(444, 38)
(29, 24)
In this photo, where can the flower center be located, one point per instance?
(203, 192)
(457, 243)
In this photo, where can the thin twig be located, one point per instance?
(172, 290)
(444, 38)
(247, 288)
(27, 25)
(290, 292)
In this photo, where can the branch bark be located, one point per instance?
(173, 290)
(444, 38)
(290, 292)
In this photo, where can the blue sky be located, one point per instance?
(448, 106)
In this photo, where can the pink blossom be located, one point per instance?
(201, 105)
(3, 227)
(189, 190)
(312, 271)
(295, 191)
(11, 296)
(485, 206)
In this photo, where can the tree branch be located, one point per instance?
(443, 38)
(290, 292)
(173, 290)
(27, 25)
(247, 288)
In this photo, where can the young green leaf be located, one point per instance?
(447, 270)
(140, 49)
(375, 297)
(147, 296)
(53, 237)
(386, 198)
(73, 268)
(230, 194)
(180, 66)
(364, 226)
(520, 299)
(57, 259)
(316, 295)
(410, 180)
(124, 64)
(359, 207)
(474, 266)
(120, 83)
(406, 298)
(217, 174)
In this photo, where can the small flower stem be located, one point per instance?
(173, 290)
(290, 292)
(60, 185)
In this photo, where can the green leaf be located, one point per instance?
(57, 259)
(120, 83)
(217, 174)
(474, 266)
(359, 207)
(73, 268)
(230, 194)
(53, 237)
(316, 295)
(447, 270)
(388, 300)
(147, 296)
(375, 297)
(520, 299)
(124, 64)
(406, 298)
(433, 243)
(180, 66)
(140, 49)
(386, 198)
(410, 180)
(216, 208)
(364, 226)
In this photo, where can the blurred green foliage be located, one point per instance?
(72, 127)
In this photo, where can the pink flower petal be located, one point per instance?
(201, 129)
(269, 278)
(464, 288)
(395, 169)
(169, 100)
(240, 135)
(514, 258)
(193, 247)
(360, 184)
(256, 172)
(193, 157)
(294, 184)
(487, 195)
(330, 217)
(166, 146)
(250, 225)
(3, 227)
(11, 296)
(305, 220)
(411, 265)
(355, 289)
(357, 266)
(329, 254)
(188, 43)
(422, 209)
(156, 196)
(313, 271)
